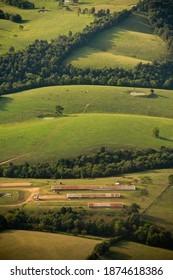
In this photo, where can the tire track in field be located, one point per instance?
(12, 159)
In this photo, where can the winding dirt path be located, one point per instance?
(12, 159)
(30, 198)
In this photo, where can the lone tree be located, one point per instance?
(58, 110)
(156, 132)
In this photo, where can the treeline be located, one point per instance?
(40, 63)
(161, 18)
(20, 4)
(101, 164)
(69, 220)
(15, 18)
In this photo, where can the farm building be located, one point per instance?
(125, 188)
(105, 205)
(100, 195)
(91, 188)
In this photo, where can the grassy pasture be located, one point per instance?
(29, 104)
(125, 251)
(37, 25)
(51, 139)
(50, 24)
(28, 245)
(126, 45)
(161, 211)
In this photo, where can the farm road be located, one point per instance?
(32, 191)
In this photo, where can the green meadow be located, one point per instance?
(124, 250)
(27, 105)
(66, 137)
(50, 24)
(93, 116)
(125, 45)
(36, 25)
(43, 246)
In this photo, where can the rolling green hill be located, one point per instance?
(131, 42)
(94, 116)
(47, 26)
(29, 104)
(125, 251)
(50, 24)
(43, 246)
(51, 139)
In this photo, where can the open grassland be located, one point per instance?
(46, 26)
(45, 140)
(127, 250)
(161, 210)
(29, 104)
(113, 5)
(28, 245)
(131, 42)
(50, 24)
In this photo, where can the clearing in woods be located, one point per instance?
(131, 42)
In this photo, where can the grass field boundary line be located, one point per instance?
(152, 203)
(12, 159)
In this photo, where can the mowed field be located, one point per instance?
(94, 116)
(28, 245)
(125, 251)
(125, 45)
(50, 24)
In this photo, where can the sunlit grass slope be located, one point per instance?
(28, 245)
(127, 250)
(47, 26)
(131, 42)
(29, 104)
(51, 139)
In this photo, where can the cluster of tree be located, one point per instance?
(131, 227)
(40, 63)
(16, 18)
(100, 164)
(92, 11)
(22, 4)
(161, 17)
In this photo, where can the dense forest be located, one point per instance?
(101, 164)
(41, 63)
(160, 14)
(22, 4)
(128, 227)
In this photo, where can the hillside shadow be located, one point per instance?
(4, 101)
(137, 22)
(165, 139)
(117, 256)
(25, 21)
